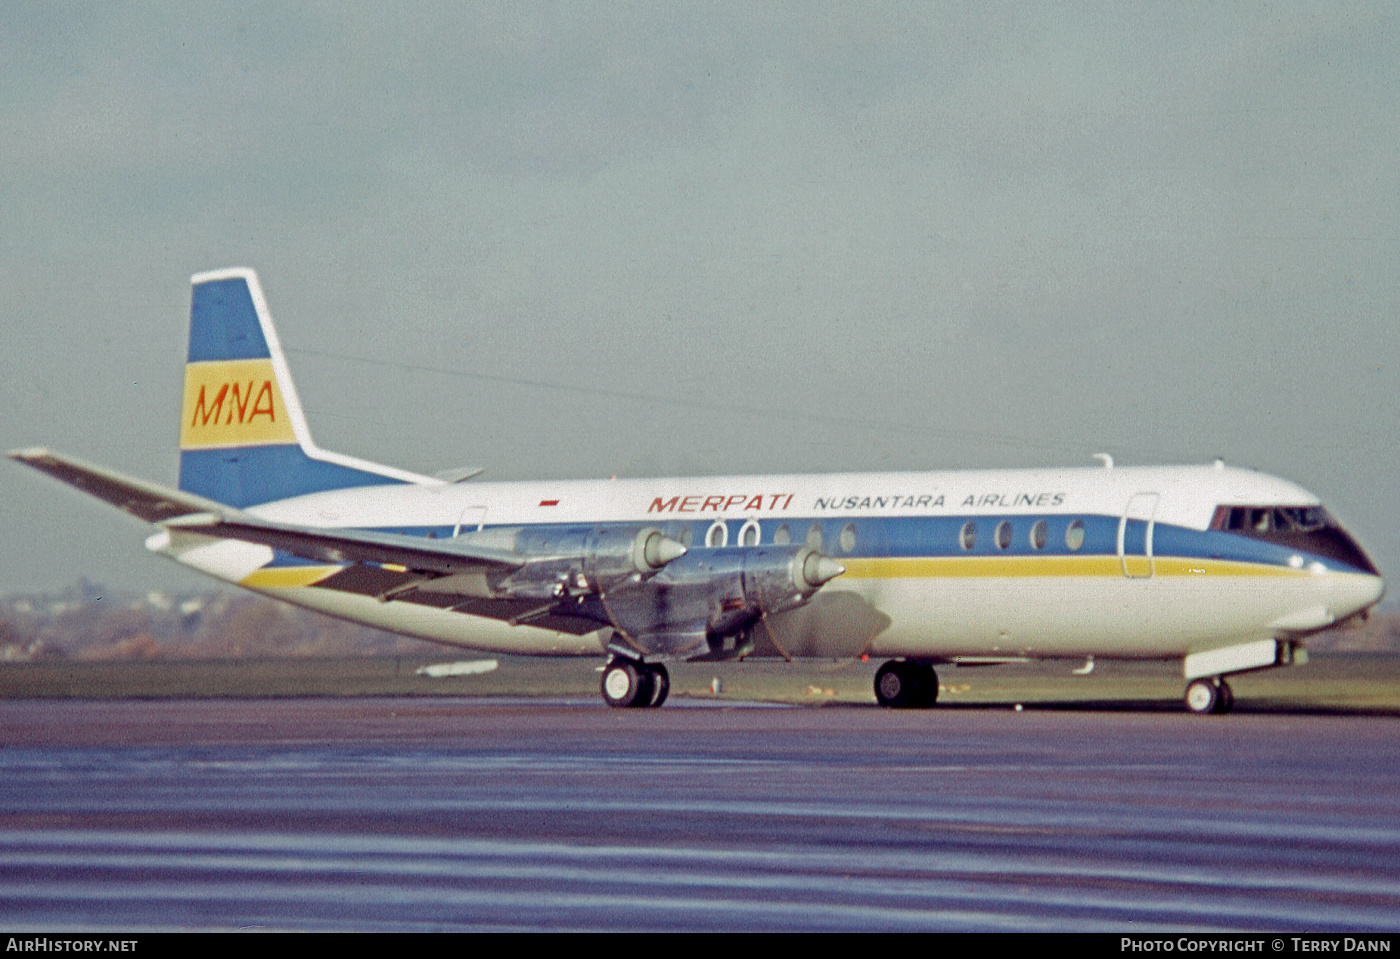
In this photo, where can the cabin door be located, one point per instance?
(472, 519)
(1135, 535)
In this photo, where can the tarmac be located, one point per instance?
(428, 813)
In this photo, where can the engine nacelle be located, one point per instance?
(713, 593)
(779, 579)
(580, 561)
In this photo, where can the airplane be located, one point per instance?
(1225, 569)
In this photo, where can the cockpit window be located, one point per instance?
(1308, 529)
(1271, 519)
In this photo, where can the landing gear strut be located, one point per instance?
(1204, 696)
(900, 684)
(630, 684)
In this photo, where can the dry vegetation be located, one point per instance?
(86, 624)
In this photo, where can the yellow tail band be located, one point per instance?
(233, 403)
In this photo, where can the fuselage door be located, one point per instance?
(1135, 535)
(472, 519)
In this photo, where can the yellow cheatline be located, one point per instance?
(233, 403)
(1189, 566)
(949, 567)
(969, 567)
(287, 577)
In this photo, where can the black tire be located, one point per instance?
(1203, 696)
(927, 684)
(1227, 699)
(622, 684)
(905, 685)
(646, 686)
(661, 685)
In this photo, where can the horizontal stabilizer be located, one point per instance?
(148, 501)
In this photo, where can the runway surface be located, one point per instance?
(402, 814)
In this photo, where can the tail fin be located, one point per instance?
(243, 436)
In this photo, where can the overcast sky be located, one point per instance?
(610, 239)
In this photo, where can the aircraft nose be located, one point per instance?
(1354, 594)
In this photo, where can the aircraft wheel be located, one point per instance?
(1203, 696)
(661, 685)
(1227, 699)
(901, 685)
(928, 685)
(890, 685)
(624, 684)
(646, 679)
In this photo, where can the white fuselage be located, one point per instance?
(1112, 562)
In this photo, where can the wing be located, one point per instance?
(443, 557)
(469, 577)
(176, 509)
(660, 598)
(148, 501)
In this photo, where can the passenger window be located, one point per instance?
(1040, 534)
(1074, 534)
(748, 534)
(1004, 534)
(782, 536)
(717, 536)
(814, 536)
(848, 538)
(967, 538)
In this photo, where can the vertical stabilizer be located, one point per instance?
(243, 435)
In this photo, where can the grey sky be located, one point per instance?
(598, 239)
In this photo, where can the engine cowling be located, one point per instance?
(580, 561)
(662, 598)
(709, 594)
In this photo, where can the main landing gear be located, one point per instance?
(1209, 695)
(630, 684)
(901, 684)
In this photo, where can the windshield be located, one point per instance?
(1308, 529)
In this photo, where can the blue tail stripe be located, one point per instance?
(224, 324)
(248, 475)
